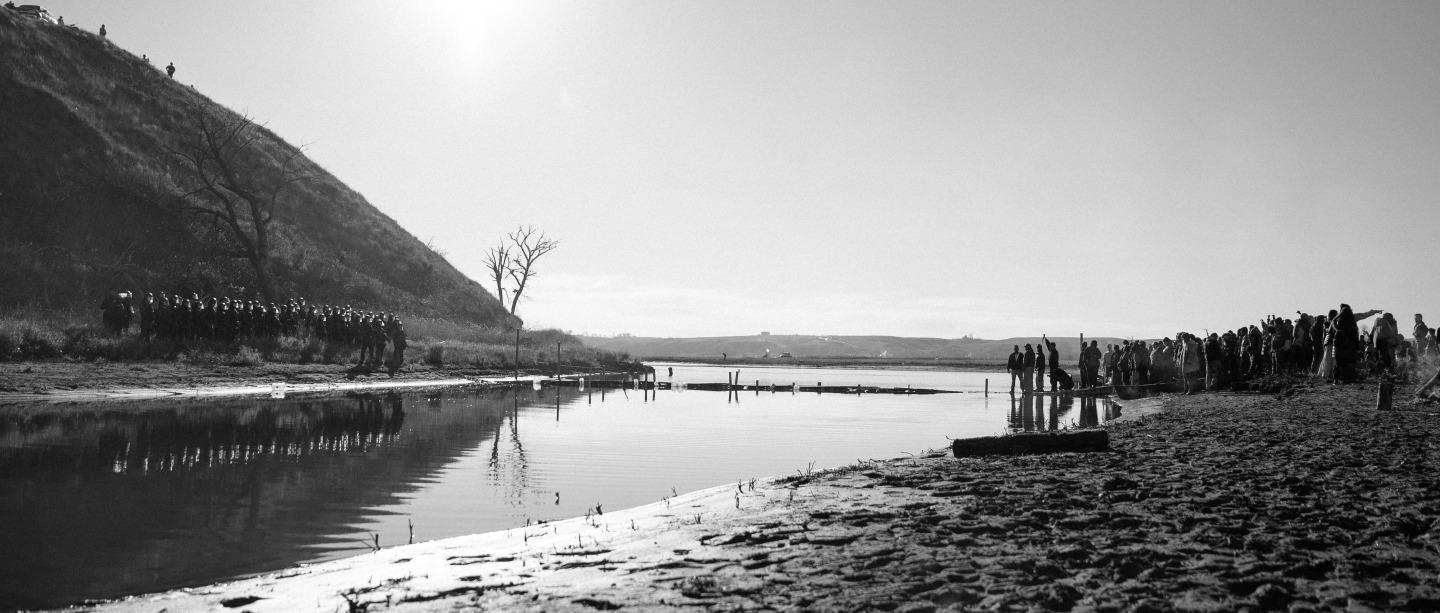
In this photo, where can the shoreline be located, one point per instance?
(1308, 500)
(52, 382)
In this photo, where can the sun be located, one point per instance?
(475, 27)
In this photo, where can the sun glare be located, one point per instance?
(474, 27)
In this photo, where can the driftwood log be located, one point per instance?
(1038, 442)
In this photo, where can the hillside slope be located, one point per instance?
(806, 346)
(89, 196)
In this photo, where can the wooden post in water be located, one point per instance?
(987, 388)
(517, 354)
(557, 362)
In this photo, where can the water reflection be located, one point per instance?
(1028, 412)
(112, 500)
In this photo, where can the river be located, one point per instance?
(103, 500)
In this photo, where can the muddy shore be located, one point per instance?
(1305, 501)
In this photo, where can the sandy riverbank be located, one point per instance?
(1305, 501)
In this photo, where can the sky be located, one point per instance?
(938, 169)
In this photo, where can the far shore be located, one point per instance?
(1308, 500)
(954, 364)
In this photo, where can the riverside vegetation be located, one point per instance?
(435, 344)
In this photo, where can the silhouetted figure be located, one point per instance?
(102, 30)
(1027, 369)
(1040, 368)
(1014, 365)
(1347, 344)
(170, 70)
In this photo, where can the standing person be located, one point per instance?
(147, 317)
(1124, 362)
(1092, 364)
(382, 336)
(1214, 361)
(1384, 338)
(1422, 336)
(1347, 344)
(170, 69)
(102, 30)
(1013, 366)
(1054, 361)
(1318, 340)
(1142, 363)
(1191, 369)
(1304, 352)
(397, 338)
(1039, 368)
(1027, 369)
(365, 340)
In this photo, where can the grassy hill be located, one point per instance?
(806, 346)
(89, 204)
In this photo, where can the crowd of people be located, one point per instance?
(175, 317)
(1327, 346)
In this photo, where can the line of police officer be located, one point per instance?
(163, 316)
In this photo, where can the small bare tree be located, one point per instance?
(226, 182)
(515, 260)
(497, 261)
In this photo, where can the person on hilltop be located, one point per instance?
(1013, 366)
(102, 30)
(170, 69)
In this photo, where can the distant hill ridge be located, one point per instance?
(811, 346)
(84, 132)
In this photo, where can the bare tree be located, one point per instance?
(497, 260)
(226, 182)
(516, 260)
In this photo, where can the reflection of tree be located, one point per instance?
(515, 482)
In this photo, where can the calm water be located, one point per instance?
(100, 501)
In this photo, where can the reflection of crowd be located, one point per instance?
(163, 316)
(1330, 347)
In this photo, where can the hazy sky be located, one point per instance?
(907, 168)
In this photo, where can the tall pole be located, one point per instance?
(557, 361)
(517, 354)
